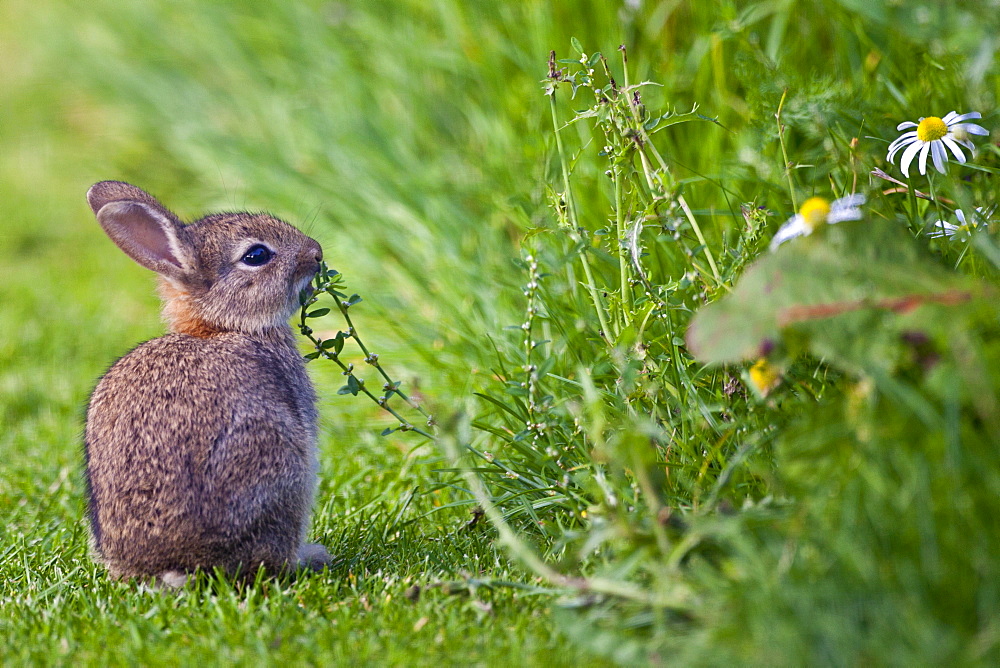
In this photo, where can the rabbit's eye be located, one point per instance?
(257, 255)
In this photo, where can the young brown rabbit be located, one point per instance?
(201, 444)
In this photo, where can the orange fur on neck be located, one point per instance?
(180, 314)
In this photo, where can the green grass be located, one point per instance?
(59, 607)
(845, 519)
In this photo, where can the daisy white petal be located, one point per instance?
(939, 156)
(902, 141)
(849, 201)
(922, 162)
(944, 230)
(841, 216)
(954, 148)
(794, 227)
(845, 208)
(967, 225)
(949, 117)
(906, 124)
(907, 158)
(965, 117)
(970, 128)
(985, 213)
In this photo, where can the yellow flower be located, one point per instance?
(764, 377)
(814, 212)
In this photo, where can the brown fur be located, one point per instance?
(200, 444)
(181, 315)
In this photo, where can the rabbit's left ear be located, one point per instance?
(143, 228)
(106, 192)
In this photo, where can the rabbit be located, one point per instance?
(201, 444)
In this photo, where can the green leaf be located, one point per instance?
(846, 293)
(667, 120)
(515, 390)
(318, 313)
(499, 404)
(575, 43)
(352, 387)
(354, 299)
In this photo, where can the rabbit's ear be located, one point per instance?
(115, 191)
(149, 234)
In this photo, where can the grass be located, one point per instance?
(62, 608)
(674, 515)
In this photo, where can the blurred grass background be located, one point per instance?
(412, 140)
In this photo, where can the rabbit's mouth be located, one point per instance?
(305, 285)
(302, 291)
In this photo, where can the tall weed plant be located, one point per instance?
(710, 516)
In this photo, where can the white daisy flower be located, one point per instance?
(965, 225)
(814, 212)
(933, 135)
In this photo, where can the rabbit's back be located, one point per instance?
(208, 461)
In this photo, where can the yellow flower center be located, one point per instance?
(931, 128)
(764, 376)
(814, 211)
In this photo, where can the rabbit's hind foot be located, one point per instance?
(312, 556)
(172, 579)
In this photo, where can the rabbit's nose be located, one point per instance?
(317, 251)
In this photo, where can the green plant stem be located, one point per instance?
(912, 198)
(655, 507)
(381, 401)
(574, 223)
(529, 323)
(675, 366)
(701, 237)
(784, 151)
(934, 198)
(623, 247)
(364, 349)
(325, 285)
